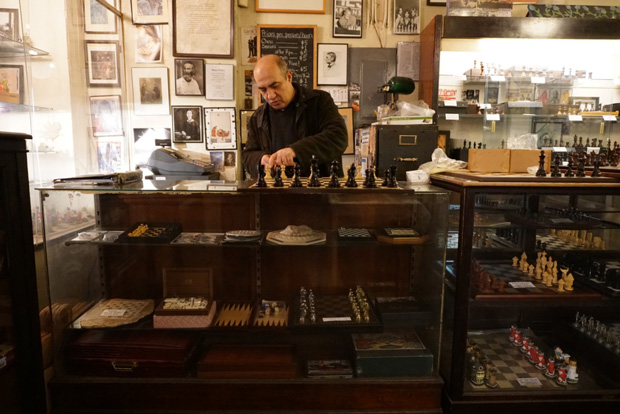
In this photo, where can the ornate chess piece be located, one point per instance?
(370, 181)
(351, 183)
(314, 173)
(333, 179)
(541, 165)
(581, 167)
(261, 177)
(278, 177)
(556, 167)
(296, 176)
(569, 168)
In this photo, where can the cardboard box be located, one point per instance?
(521, 159)
(489, 160)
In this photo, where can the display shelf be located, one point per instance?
(10, 48)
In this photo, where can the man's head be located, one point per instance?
(274, 81)
(347, 12)
(188, 71)
(189, 114)
(330, 58)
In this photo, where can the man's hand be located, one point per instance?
(283, 157)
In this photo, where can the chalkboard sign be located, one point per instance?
(296, 45)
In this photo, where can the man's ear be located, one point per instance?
(289, 76)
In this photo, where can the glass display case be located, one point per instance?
(186, 296)
(532, 294)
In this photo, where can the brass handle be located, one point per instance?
(403, 159)
(124, 366)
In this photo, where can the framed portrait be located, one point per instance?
(435, 2)
(213, 40)
(102, 63)
(244, 119)
(230, 158)
(149, 11)
(189, 75)
(149, 43)
(406, 17)
(586, 104)
(347, 21)
(150, 91)
(98, 19)
(147, 140)
(9, 24)
(217, 159)
(187, 123)
(110, 154)
(332, 61)
(347, 114)
(249, 46)
(220, 128)
(12, 84)
(106, 116)
(287, 6)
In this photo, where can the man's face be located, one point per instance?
(188, 71)
(276, 89)
(190, 115)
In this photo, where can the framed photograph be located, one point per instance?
(190, 77)
(187, 123)
(150, 91)
(149, 43)
(287, 6)
(149, 11)
(145, 141)
(9, 24)
(406, 17)
(102, 63)
(12, 84)
(97, 19)
(249, 46)
(332, 59)
(220, 128)
(347, 114)
(217, 159)
(347, 20)
(244, 119)
(230, 158)
(586, 104)
(106, 116)
(110, 154)
(219, 81)
(435, 2)
(212, 40)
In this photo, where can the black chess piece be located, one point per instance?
(503, 143)
(314, 173)
(393, 181)
(296, 176)
(277, 180)
(261, 177)
(575, 141)
(569, 168)
(351, 172)
(541, 165)
(289, 171)
(479, 145)
(596, 172)
(333, 176)
(370, 181)
(386, 178)
(556, 167)
(581, 167)
(464, 144)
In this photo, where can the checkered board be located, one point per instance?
(598, 285)
(509, 274)
(333, 312)
(350, 233)
(512, 365)
(554, 243)
(324, 184)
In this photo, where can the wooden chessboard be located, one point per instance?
(512, 365)
(324, 184)
(333, 312)
(599, 285)
(520, 286)
(554, 243)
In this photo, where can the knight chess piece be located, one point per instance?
(351, 172)
(556, 167)
(261, 177)
(333, 176)
(541, 165)
(278, 177)
(296, 176)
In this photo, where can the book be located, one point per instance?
(329, 368)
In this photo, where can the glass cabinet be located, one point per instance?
(280, 272)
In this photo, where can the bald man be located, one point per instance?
(295, 124)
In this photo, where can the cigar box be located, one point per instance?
(188, 299)
(496, 160)
(260, 361)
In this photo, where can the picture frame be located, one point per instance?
(192, 69)
(12, 84)
(97, 19)
(215, 40)
(347, 114)
(590, 103)
(150, 91)
(443, 139)
(187, 123)
(230, 158)
(347, 19)
(9, 24)
(219, 81)
(106, 115)
(149, 11)
(220, 129)
(244, 119)
(149, 43)
(102, 63)
(435, 2)
(406, 20)
(110, 154)
(332, 63)
(287, 6)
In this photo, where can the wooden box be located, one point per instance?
(489, 160)
(248, 361)
(521, 159)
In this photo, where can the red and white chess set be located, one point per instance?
(558, 366)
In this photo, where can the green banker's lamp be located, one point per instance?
(397, 85)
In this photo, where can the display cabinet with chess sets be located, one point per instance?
(533, 289)
(183, 296)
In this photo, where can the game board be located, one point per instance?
(234, 315)
(599, 285)
(505, 274)
(324, 184)
(554, 243)
(151, 233)
(511, 365)
(333, 312)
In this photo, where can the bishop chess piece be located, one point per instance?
(541, 165)
(393, 183)
(314, 173)
(351, 172)
(278, 177)
(556, 167)
(569, 168)
(581, 167)
(333, 176)
(261, 177)
(370, 181)
(596, 172)
(296, 176)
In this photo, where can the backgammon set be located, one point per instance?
(132, 353)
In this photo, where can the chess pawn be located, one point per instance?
(531, 271)
(569, 282)
(278, 177)
(515, 261)
(261, 177)
(561, 372)
(550, 369)
(561, 285)
(296, 176)
(491, 380)
(571, 373)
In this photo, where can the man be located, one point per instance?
(186, 84)
(330, 60)
(347, 20)
(295, 124)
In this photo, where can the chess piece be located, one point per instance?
(515, 261)
(596, 172)
(393, 183)
(550, 369)
(568, 286)
(571, 373)
(333, 179)
(531, 271)
(314, 173)
(296, 176)
(561, 286)
(541, 165)
(581, 167)
(561, 373)
(370, 178)
(278, 177)
(491, 380)
(386, 178)
(261, 177)
(351, 183)
(556, 167)
(569, 168)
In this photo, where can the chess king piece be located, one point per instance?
(260, 182)
(541, 165)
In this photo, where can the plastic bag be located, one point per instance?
(402, 108)
(441, 162)
(525, 141)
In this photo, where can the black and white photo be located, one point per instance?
(189, 75)
(150, 91)
(187, 123)
(149, 11)
(406, 17)
(332, 63)
(347, 20)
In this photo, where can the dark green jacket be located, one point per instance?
(318, 122)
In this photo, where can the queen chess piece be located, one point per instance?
(296, 176)
(261, 177)
(556, 167)
(351, 172)
(277, 180)
(541, 165)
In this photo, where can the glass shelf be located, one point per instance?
(11, 48)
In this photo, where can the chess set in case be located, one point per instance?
(151, 233)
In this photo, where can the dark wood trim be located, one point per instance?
(430, 39)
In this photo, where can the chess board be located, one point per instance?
(151, 233)
(554, 243)
(530, 289)
(333, 312)
(512, 366)
(598, 285)
(286, 184)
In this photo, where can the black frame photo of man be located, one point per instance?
(187, 123)
(189, 77)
